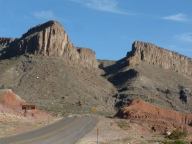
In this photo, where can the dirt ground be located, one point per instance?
(118, 131)
(14, 120)
(55, 86)
(11, 124)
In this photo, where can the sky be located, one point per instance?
(109, 27)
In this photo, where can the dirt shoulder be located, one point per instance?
(118, 131)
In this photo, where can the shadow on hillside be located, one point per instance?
(115, 75)
(7, 53)
(10, 51)
(123, 77)
(114, 68)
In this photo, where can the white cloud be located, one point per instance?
(111, 6)
(44, 14)
(185, 37)
(180, 17)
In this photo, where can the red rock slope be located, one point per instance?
(156, 118)
(11, 105)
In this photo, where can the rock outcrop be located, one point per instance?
(158, 118)
(50, 39)
(152, 54)
(87, 56)
(5, 41)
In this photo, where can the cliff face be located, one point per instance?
(50, 39)
(87, 56)
(152, 54)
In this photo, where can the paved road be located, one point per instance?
(65, 131)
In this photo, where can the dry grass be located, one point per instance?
(123, 124)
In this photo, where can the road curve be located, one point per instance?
(65, 131)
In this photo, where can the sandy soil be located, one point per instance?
(117, 131)
(11, 124)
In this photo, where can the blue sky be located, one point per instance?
(107, 26)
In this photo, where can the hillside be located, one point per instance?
(153, 74)
(155, 118)
(149, 91)
(44, 68)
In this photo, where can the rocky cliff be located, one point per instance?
(87, 56)
(152, 54)
(50, 39)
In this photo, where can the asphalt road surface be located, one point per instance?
(65, 131)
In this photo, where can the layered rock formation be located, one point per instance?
(50, 39)
(87, 56)
(152, 54)
(159, 119)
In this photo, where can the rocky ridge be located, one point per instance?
(147, 72)
(46, 69)
(50, 39)
(5, 41)
(152, 54)
(153, 74)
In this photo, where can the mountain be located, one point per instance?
(154, 74)
(44, 68)
(48, 39)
